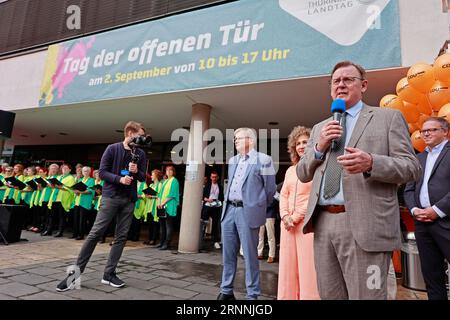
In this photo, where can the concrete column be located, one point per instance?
(193, 186)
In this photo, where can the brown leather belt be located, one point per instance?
(333, 208)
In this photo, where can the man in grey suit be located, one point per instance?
(250, 190)
(428, 199)
(353, 207)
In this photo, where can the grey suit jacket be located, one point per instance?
(371, 201)
(258, 188)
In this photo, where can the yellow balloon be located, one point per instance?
(442, 68)
(421, 77)
(439, 95)
(444, 112)
(408, 93)
(391, 101)
(424, 105)
(410, 112)
(417, 141)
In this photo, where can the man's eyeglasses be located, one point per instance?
(346, 80)
(239, 138)
(431, 130)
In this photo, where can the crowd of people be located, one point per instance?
(55, 200)
(338, 204)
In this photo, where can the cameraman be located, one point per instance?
(120, 174)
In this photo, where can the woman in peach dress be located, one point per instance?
(297, 274)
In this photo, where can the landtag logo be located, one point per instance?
(343, 21)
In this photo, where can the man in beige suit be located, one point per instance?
(353, 208)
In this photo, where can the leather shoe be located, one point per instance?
(46, 233)
(270, 260)
(223, 296)
(59, 235)
(164, 247)
(260, 258)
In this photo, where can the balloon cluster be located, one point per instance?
(424, 92)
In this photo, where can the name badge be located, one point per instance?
(124, 172)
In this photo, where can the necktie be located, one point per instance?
(333, 170)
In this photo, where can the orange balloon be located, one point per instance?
(442, 68)
(421, 77)
(444, 112)
(410, 112)
(422, 118)
(412, 127)
(417, 141)
(439, 95)
(424, 105)
(391, 101)
(408, 93)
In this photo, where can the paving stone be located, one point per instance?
(16, 289)
(130, 293)
(10, 272)
(170, 282)
(6, 297)
(139, 275)
(204, 296)
(45, 295)
(168, 274)
(55, 264)
(138, 258)
(49, 286)
(30, 278)
(88, 294)
(4, 280)
(161, 266)
(199, 280)
(200, 288)
(96, 284)
(57, 276)
(43, 271)
(139, 284)
(175, 292)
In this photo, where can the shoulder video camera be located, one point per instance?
(144, 141)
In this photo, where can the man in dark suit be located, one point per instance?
(212, 206)
(428, 199)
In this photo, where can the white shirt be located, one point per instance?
(214, 193)
(350, 123)
(424, 197)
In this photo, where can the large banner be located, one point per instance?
(241, 42)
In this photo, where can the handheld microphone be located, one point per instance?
(337, 109)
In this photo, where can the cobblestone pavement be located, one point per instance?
(31, 270)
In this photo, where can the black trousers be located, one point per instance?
(58, 216)
(214, 214)
(166, 229)
(48, 219)
(153, 228)
(135, 229)
(36, 213)
(433, 242)
(80, 217)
